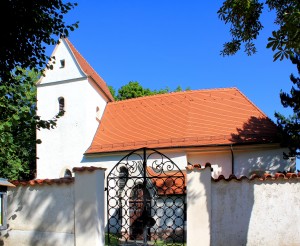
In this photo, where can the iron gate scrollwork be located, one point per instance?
(145, 200)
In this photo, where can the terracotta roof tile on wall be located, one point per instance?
(264, 177)
(190, 118)
(89, 71)
(43, 182)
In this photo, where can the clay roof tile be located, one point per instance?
(190, 118)
(43, 182)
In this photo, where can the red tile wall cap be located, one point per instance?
(276, 176)
(292, 175)
(198, 166)
(89, 169)
(43, 182)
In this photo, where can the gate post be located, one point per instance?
(198, 206)
(89, 206)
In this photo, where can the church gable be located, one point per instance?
(65, 68)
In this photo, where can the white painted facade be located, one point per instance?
(63, 147)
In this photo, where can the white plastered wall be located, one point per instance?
(57, 212)
(40, 215)
(221, 161)
(251, 161)
(255, 213)
(247, 160)
(63, 147)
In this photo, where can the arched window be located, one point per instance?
(61, 105)
(67, 174)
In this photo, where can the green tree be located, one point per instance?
(112, 92)
(290, 126)
(27, 28)
(134, 89)
(245, 26)
(18, 125)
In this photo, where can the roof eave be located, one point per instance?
(89, 153)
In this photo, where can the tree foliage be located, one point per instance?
(18, 125)
(245, 26)
(134, 89)
(27, 27)
(290, 126)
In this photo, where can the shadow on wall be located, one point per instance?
(232, 205)
(40, 215)
(258, 131)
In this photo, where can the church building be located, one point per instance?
(219, 126)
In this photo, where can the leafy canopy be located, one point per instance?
(245, 26)
(27, 27)
(18, 125)
(134, 89)
(290, 126)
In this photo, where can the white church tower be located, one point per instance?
(72, 86)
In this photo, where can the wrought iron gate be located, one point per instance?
(145, 200)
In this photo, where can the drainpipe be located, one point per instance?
(232, 160)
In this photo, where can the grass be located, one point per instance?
(114, 241)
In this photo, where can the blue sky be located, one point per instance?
(170, 43)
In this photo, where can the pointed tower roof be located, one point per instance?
(89, 71)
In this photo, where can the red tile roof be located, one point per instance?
(168, 183)
(89, 71)
(182, 119)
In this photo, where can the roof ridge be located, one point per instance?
(93, 71)
(253, 104)
(174, 92)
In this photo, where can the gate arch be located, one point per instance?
(145, 200)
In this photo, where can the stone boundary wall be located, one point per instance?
(241, 211)
(51, 212)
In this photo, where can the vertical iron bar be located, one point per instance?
(107, 208)
(144, 196)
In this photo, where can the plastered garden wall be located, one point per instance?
(40, 214)
(257, 211)
(52, 212)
